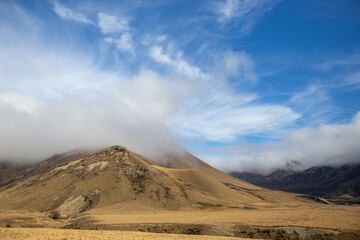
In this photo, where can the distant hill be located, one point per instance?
(115, 178)
(338, 183)
(9, 170)
(12, 172)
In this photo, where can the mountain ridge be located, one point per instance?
(125, 181)
(322, 181)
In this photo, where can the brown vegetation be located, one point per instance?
(116, 189)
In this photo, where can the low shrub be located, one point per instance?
(54, 214)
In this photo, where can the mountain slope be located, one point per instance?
(324, 181)
(10, 173)
(124, 181)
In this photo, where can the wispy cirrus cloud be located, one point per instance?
(227, 10)
(217, 113)
(344, 70)
(349, 61)
(69, 14)
(353, 80)
(314, 104)
(112, 24)
(180, 65)
(108, 25)
(224, 118)
(244, 12)
(124, 43)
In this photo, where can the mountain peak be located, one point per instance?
(116, 148)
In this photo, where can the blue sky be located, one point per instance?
(241, 84)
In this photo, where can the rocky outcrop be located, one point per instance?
(72, 207)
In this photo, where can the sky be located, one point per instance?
(241, 84)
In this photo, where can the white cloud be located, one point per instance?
(217, 113)
(148, 40)
(240, 64)
(152, 95)
(69, 14)
(353, 80)
(124, 43)
(161, 38)
(84, 106)
(47, 90)
(178, 63)
(19, 102)
(157, 54)
(314, 104)
(246, 12)
(309, 95)
(349, 61)
(228, 9)
(224, 117)
(63, 101)
(344, 70)
(47, 71)
(325, 145)
(53, 99)
(111, 24)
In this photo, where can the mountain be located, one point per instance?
(9, 170)
(342, 183)
(118, 179)
(12, 172)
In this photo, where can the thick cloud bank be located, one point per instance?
(131, 114)
(325, 145)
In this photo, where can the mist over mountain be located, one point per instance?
(329, 145)
(77, 181)
(36, 129)
(340, 184)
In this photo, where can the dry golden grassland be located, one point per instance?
(46, 233)
(333, 217)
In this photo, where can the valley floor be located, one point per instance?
(255, 223)
(43, 233)
(333, 217)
